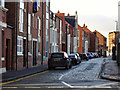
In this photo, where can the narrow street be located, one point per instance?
(84, 75)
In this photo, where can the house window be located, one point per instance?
(60, 31)
(21, 20)
(47, 6)
(21, 4)
(38, 2)
(39, 39)
(20, 45)
(2, 3)
(21, 16)
(29, 23)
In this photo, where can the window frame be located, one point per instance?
(20, 46)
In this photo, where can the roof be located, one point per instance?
(99, 33)
(70, 20)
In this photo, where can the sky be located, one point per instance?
(96, 14)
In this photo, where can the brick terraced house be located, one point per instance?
(31, 33)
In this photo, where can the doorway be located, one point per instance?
(34, 53)
(24, 53)
(7, 54)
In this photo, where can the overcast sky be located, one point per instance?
(96, 14)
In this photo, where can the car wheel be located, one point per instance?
(67, 67)
(70, 66)
(49, 67)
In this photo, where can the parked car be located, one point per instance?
(89, 55)
(78, 57)
(59, 59)
(74, 58)
(95, 55)
(84, 56)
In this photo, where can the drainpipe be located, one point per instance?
(16, 31)
(27, 30)
(42, 29)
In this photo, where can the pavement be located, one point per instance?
(110, 70)
(12, 75)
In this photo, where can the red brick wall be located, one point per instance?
(12, 6)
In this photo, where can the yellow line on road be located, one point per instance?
(23, 78)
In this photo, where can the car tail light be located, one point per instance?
(74, 58)
(64, 57)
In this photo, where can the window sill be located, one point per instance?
(2, 59)
(39, 54)
(19, 54)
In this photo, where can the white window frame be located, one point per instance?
(2, 3)
(21, 16)
(20, 46)
(39, 38)
(38, 2)
(22, 4)
(21, 20)
(60, 31)
(29, 23)
(39, 26)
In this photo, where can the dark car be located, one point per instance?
(59, 59)
(75, 59)
(84, 56)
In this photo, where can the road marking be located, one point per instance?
(23, 78)
(32, 87)
(42, 84)
(102, 85)
(9, 87)
(67, 84)
(95, 86)
(61, 77)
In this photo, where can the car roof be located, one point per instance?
(58, 52)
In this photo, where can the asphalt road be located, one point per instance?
(84, 75)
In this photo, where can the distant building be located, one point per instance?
(62, 16)
(111, 41)
(55, 33)
(73, 21)
(102, 43)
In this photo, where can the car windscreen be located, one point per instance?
(57, 55)
(72, 56)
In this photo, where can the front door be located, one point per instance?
(34, 53)
(7, 54)
(24, 53)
